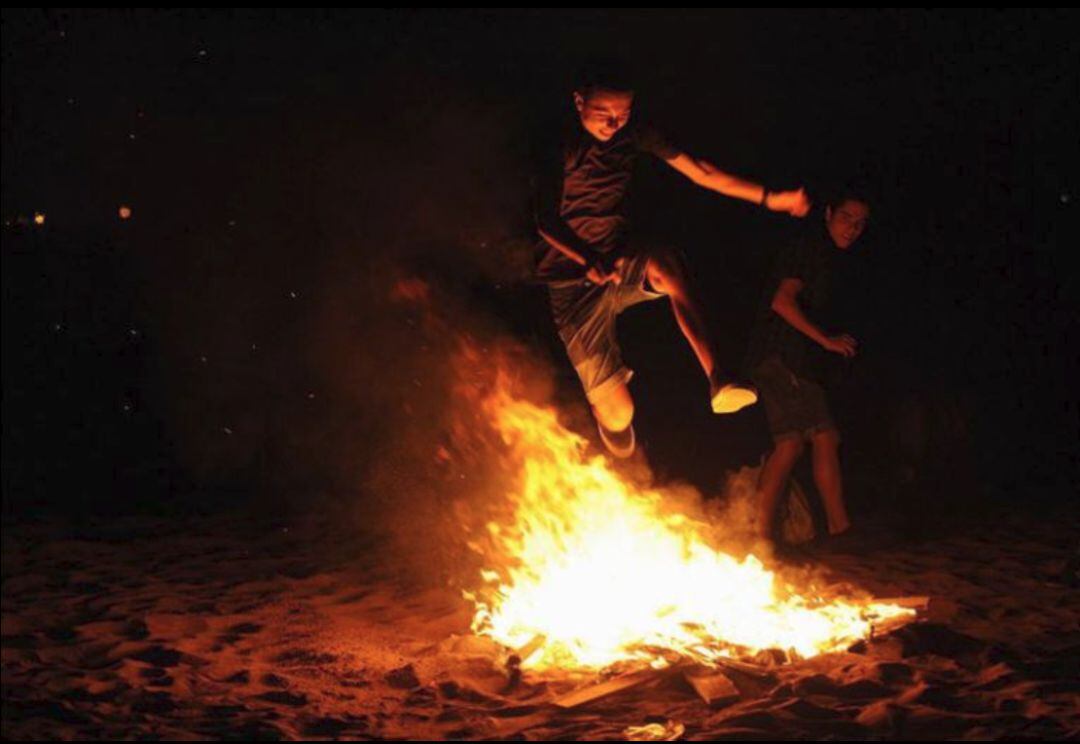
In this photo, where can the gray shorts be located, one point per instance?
(795, 407)
(585, 317)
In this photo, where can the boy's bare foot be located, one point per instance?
(849, 541)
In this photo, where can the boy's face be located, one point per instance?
(847, 222)
(604, 112)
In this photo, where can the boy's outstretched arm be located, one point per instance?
(708, 176)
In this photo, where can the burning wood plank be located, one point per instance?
(920, 604)
(519, 657)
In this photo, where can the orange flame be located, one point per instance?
(604, 573)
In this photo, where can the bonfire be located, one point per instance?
(594, 571)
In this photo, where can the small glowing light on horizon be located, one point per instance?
(39, 218)
(124, 211)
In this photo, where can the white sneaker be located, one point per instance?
(619, 443)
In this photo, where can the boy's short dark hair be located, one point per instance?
(837, 194)
(604, 74)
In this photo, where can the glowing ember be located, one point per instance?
(600, 569)
(124, 212)
(39, 218)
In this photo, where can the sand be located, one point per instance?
(217, 627)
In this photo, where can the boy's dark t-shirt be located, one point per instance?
(586, 183)
(813, 258)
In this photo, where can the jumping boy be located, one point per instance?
(594, 272)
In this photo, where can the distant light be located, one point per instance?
(39, 218)
(1065, 197)
(124, 211)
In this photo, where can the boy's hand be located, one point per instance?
(843, 344)
(794, 203)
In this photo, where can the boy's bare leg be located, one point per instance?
(829, 482)
(614, 412)
(666, 275)
(773, 479)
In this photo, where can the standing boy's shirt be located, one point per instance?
(586, 182)
(812, 258)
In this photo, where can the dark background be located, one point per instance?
(223, 345)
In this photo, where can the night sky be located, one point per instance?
(227, 337)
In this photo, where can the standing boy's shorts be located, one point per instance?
(585, 318)
(795, 407)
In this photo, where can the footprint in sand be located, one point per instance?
(159, 656)
(282, 697)
(233, 634)
(273, 680)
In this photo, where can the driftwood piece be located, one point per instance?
(753, 670)
(589, 693)
(712, 686)
(883, 627)
(919, 603)
(914, 602)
